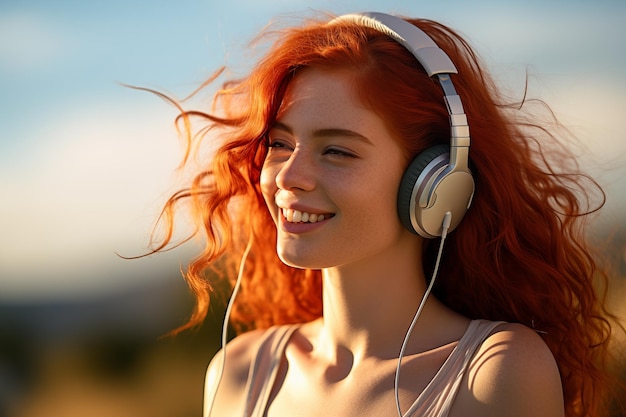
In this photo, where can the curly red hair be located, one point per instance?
(520, 254)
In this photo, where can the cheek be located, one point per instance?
(380, 208)
(381, 196)
(269, 189)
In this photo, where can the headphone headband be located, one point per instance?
(433, 59)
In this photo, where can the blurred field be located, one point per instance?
(105, 357)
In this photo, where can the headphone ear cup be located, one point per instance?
(409, 182)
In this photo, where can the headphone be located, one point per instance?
(438, 180)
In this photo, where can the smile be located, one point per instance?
(297, 216)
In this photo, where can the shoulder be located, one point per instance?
(513, 373)
(227, 374)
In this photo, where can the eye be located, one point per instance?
(340, 152)
(277, 144)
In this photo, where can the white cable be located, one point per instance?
(229, 308)
(396, 385)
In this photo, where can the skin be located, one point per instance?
(330, 155)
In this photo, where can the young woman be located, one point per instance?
(346, 156)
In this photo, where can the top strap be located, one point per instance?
(437, 398)
(264, 369)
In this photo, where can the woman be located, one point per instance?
(308, 193)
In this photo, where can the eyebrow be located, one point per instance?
(327, 132)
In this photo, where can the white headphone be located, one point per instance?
(438, 180)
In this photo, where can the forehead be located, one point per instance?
(325, 97)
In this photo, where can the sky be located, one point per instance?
(85, 163)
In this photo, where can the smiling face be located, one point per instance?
(331, 176)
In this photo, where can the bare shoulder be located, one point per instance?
(513, 373)
(226, 377)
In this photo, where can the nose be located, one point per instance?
(296, 172)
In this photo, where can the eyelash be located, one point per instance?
(279, 144)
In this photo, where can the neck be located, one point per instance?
(372, 302)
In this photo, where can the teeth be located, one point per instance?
(297, 216)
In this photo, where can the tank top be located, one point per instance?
(435, 401)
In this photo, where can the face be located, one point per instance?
(331, 176)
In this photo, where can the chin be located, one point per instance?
(299, 261)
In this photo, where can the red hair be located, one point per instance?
(520, 254)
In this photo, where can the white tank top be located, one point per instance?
(435, 401)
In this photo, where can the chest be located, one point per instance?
(367, 390)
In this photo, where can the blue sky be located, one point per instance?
(86, 163)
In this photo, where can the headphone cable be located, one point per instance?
(229, 308)
(445, 226)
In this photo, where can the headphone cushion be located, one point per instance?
(409, 181)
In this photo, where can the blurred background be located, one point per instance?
(85, 165)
